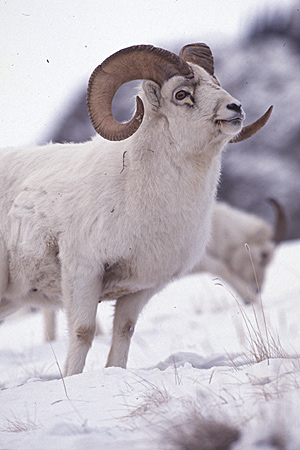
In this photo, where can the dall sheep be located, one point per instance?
(83, 223)
(227, 255)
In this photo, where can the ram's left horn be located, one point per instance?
(253, 128)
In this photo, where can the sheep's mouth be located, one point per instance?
(233, 121)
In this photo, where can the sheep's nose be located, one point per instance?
(235, 107)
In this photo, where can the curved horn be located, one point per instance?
(199, 54)
(137, 62)
(281, 223)
(250, 130)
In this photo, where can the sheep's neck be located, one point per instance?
(163, 167)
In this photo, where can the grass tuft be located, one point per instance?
(261, 343)
(198, 433)
(15, 425)
(150, 401)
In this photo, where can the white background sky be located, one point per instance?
(48, 49)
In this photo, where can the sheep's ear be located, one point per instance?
(152, 91)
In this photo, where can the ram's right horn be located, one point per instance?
(253, 128)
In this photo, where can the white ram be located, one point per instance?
(118, 220)
(227, 256)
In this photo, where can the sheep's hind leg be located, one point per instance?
(4, 268)
(7, 307)
(126, 314)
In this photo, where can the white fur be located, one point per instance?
(106, 220)
(227, 256)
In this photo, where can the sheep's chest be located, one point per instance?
(156, 253)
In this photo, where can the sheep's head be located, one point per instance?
(251, 263)
(184, 81)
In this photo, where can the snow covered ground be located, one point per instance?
(194, 373)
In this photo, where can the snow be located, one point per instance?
(190, 361)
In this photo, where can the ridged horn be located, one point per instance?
(143, 62)
(253, 128)
(199, 54)
(281, 222)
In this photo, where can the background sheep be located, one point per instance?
(226, 255)
(118, 220)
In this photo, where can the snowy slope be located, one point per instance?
(190, 365)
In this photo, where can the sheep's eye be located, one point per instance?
(264, 258)
(180, 95)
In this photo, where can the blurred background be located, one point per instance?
(49, 50)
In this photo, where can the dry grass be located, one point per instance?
(156, 406)
(149, 401)
(178, 379)
(15, 425)
(261, 343)
(198, 433)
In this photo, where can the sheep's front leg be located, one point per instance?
(81, 295)
(126, 314)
